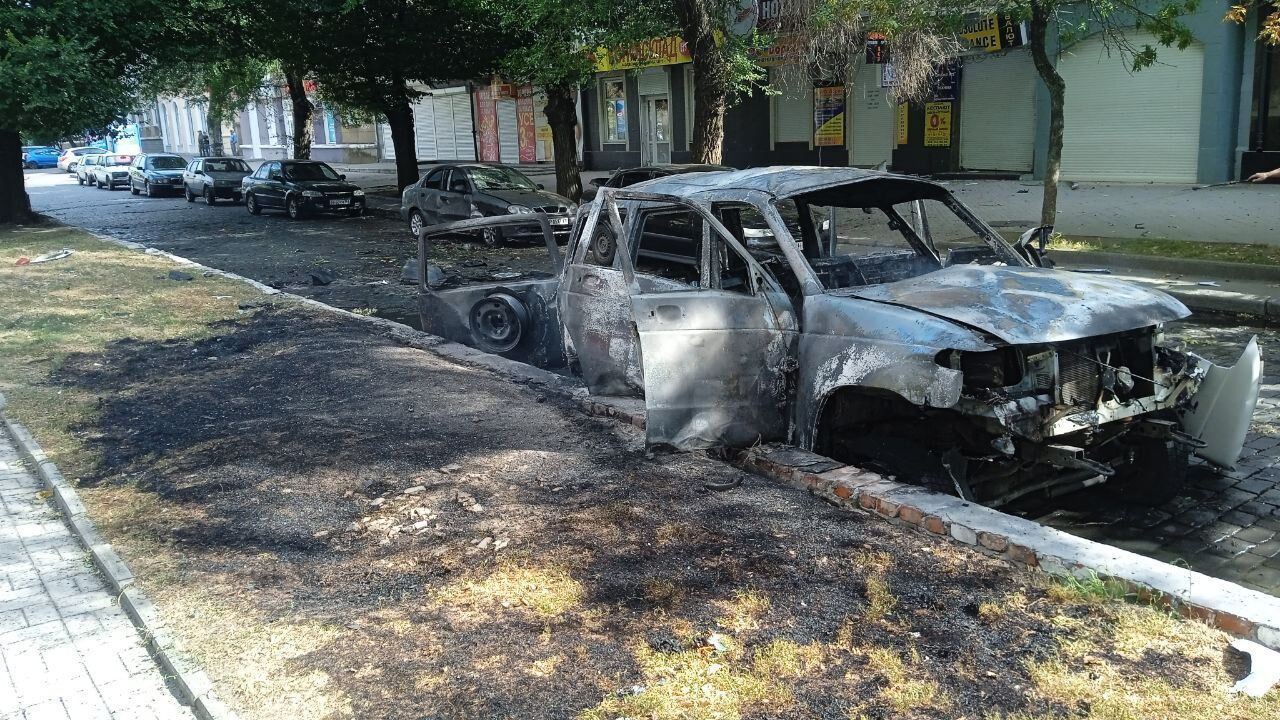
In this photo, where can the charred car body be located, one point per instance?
(880, 322)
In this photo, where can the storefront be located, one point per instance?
(511, 124)
(442, 126)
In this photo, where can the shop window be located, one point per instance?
(330, 128)
(613, 106)
(792, 108)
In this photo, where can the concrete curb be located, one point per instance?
(1212, 269)
(189, 683)
(1225, 605)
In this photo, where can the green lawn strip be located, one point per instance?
(1186, 249)
(99, 294)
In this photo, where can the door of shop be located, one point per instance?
(656, 130)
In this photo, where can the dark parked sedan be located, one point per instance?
(300, 187)
(214, 177)
(155, 173)
(458, 192)
(630, 176)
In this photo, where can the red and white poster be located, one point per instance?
(525, 126)
(486, 124)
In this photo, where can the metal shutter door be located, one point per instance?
(464, 139)
(508, 136)
(871, 110)
(651, 81)
(792, 110)
(998, 112)
(442, 109)
(1140, 127)
(424, 128)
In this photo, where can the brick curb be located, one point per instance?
(188, 682)
(1224, 605)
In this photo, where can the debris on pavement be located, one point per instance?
(322, 276)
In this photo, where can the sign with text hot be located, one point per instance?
(995, 32)
(828, 116)
(649, 53)
(937, 124)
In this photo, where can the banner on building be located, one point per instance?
(828, 116)
(901, 124)
(937, 124)
(877, 49)
(653, 52)
(525, 127)
(486, 124)
(995, 32)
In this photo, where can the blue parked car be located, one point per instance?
(39, 156)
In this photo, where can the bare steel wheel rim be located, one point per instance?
(415, 223)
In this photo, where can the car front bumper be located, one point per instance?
(333, 205)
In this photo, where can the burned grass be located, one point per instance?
(338, 526)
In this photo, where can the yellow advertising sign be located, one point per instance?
(649, 53)
(937, 124)
(990, 33)
(902, 124)
(828, 116)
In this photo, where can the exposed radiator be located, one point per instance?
(1079, 377)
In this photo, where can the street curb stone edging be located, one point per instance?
(1222, 604)
(189, 683)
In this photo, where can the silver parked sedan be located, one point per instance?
(212, 178)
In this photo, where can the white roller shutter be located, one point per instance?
(1139, 127)
(652, 81)
(508, 134)
(424, 128)
(442, 111)
(792, 109)
(871, 110)
(388, 148)
(464, 140)
(998, 112)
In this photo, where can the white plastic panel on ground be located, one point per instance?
(1132, 127)
(998, 112)
(871, 112)
(508, 132)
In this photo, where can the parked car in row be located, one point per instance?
(84, 169)
(71, 157)
(156, 173)
(212, 178)
(300, 187)
(35, 157)
(458, 191)
(110, 170)
(630, 176)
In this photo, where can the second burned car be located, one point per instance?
(886, 325)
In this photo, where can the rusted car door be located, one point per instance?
(717, 360)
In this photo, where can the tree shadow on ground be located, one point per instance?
(281, 450)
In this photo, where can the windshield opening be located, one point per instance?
(309, 171)
(225, 166)
(879, 231)
(499, 178)
(167, 163)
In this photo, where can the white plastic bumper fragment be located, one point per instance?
(1222, 408)
(1264, 668)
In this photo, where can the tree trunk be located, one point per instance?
(710, 78)
(1057, 116)
(563, 117)
(303, 109)
(15, 206)
(400, 120)
(213, 126)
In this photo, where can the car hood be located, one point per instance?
(1028, 305)
(328, 186)
(528, 198)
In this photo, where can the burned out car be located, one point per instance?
(886, 326)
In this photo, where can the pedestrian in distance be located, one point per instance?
(235, 142)
(204, 143)
(1265, 176)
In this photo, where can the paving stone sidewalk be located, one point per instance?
(68, 649)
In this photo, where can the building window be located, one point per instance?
(330, 128)
(613, 104)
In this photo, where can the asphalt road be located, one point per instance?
(1227, 525)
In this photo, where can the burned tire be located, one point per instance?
(499, 323)
(602, 248)
(1155, 473)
